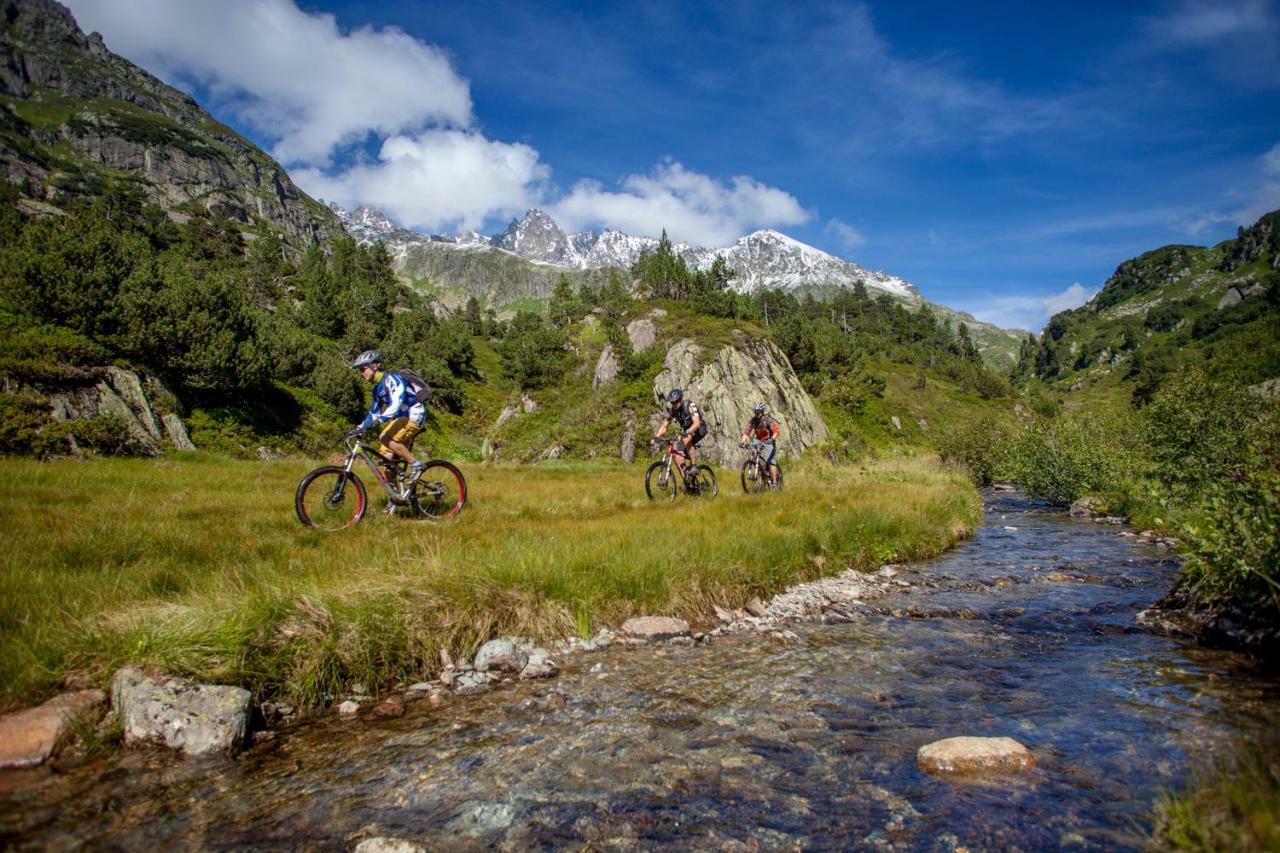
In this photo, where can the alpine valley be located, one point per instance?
(526, 259)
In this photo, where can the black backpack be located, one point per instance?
(421, 390)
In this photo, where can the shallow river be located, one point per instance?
(1025, 631)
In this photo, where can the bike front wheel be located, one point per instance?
(660, 482)
(752, 479)
(330, 498)
(702, 482)
(440, 492)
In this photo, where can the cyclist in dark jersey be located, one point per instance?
(764, 429)
(694, 428)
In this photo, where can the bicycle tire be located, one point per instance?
(705, 480)
(314, 500)
(441, 491)
(663, 484)
(752, 481)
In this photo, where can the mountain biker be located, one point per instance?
(689, 416)
(395, 405)
(765, 430)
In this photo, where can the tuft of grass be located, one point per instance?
(1233, 806)
(196, 564)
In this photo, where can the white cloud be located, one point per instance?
(1242, 37)
(438, 180)
(1030, 312)
(1201, 22)
(296, 79)
(293, 76)
(692, 207)
(849, 237)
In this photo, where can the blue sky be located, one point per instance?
(1005, 158)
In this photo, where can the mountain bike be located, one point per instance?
(660, 480)
(332, 497)
(755, 473)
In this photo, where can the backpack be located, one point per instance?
(415, 383)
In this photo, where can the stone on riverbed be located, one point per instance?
(196, 719)
(388, 845)
(501, 656)
(539, 665)
(974, 755)
(655, 628)
(29, 737)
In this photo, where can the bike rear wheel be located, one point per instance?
(330, 498)
(440, 492)
(703, 482)
(660, 482)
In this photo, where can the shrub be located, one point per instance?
(1193, 428)
(1066, 458)
(1235, 537)
(980, 446)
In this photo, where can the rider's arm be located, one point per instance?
(695, 424)
(775, 429)
(662, 428)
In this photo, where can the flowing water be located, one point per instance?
(1026, 631)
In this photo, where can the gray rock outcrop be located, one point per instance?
(725, 386)
(195, 719)
(130, 397)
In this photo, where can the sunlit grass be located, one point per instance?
(1235, 805)
(198, 565)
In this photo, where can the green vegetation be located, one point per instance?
(1232, 806)
(1152, 398)
(196, 564)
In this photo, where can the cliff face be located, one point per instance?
(726, 382)
(73, 114)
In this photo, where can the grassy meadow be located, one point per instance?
(197, 565)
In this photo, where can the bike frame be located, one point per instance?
(357, 449)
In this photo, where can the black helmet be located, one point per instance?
(369, 356)
(758, 408)
(675, 395)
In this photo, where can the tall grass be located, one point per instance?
(1234, 805)
(197, 564)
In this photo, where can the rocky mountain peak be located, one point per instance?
(538, 238)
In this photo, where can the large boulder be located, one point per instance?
(727, 382)
(196, 719)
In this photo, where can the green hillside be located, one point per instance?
(1177, 307)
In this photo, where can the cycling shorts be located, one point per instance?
(402, 430)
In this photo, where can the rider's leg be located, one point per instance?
(398, 435)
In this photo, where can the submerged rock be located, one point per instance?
(974, 755)
(388, 845)
(195, 719)
(654, 628)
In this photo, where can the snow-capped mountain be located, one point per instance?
(764, 258)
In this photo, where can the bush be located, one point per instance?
(1066, 458)
(1235, 536)
(1193, 428)
(854, 390)
(980, 446)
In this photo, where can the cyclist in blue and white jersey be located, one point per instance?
(395, 405)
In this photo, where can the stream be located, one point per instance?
(1027, 630)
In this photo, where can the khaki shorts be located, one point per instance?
(402, 430)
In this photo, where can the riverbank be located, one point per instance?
(196, 565)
